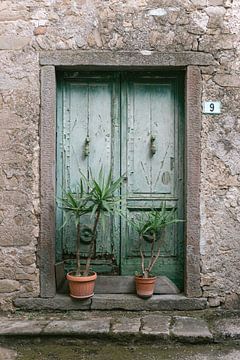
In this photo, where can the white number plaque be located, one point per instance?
(212, 107)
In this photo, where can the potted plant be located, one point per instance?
(151, 228)
(95, 197)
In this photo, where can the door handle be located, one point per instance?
(153, 148)
(86, 146)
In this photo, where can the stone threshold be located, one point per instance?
(127, 302)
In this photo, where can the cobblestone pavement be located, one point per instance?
(187, 327)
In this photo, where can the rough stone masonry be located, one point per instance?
(28, 27)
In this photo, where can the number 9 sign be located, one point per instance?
(211, 107)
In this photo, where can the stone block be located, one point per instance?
(215, 11)
(227, 80)
(22, 275)
(155, 303)
(28, 258)
(77, 327)
(232, 301)
(113, 301)
(191, 329)
(214, 302)
(59, 302)
(156, 325)
(126, 325)
(123, 58)
(13, 42)
(200, 3)
(21, 327)
(8, 286)
(215, 2)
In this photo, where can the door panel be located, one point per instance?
(89, 134)
(132, 123)
(151, 116)
(150, 173)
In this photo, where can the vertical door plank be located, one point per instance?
(100, 127)
(162, 125)
(78, 131)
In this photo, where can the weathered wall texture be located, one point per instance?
(28, 27)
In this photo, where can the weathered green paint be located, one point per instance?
(90, 116)
(151, 107)
(134, 124)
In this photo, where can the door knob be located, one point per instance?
(153, 145)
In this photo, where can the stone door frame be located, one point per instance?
(52, 61)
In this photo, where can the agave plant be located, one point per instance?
(76, 204)
(96, 197)
(151, 226)
(103, 200)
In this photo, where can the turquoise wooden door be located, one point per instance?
(123, 117)
(87, 138)
(152, 159)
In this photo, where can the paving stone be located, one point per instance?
(228, 328)
(21, 327)
(126, 325)
(7, 354)
(190, 329)
(78, 327)
(156, 325)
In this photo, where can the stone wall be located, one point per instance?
(28, 27)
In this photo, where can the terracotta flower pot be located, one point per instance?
(81, 287)
(145, 286)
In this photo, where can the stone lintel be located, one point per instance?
(65, 58)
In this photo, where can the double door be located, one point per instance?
(131, 123)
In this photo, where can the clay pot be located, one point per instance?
(145, 286)
(81, 287)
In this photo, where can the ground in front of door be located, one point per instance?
(101, 350)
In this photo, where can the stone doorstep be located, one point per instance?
(167, 327)
(184, 329)
(129, 302)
